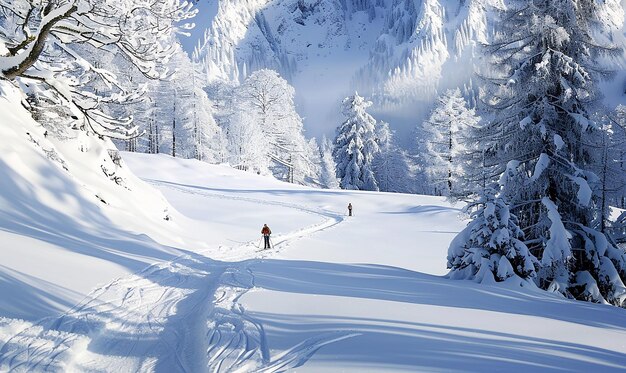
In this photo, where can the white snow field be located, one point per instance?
(90, 286)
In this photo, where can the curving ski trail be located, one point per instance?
(178, 316)
(332, 218)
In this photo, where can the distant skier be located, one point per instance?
(349, 209)
(266, 231)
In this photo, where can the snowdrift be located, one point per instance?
(94, 278)
(71, 215)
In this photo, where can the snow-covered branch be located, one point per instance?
(57, 42)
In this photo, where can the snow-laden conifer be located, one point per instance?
(311, 170)
(543, 140)
(328, 176)
(194, 131)
(448, 130)
(391, 167)
(355, 145)
(491, 248)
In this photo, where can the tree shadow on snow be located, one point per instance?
(402, 285)
(274, 192)
(42, 295)
(85, 230)
(425, 346)
(424, 209)
(415, 346)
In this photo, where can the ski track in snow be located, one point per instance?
(178, 316)
(279, 241)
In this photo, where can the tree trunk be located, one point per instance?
(174, 130)
(450, 161)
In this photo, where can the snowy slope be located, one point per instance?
(336, 293)
(400, 54)
(362, 293)
(70, 217)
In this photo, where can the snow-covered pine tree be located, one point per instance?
(544, 143)
(491, 247)
(222, 96)
(205, 141)
(616, 157)
(390, 165)
(449, 163)
(268, 98)
(355, 146)
(162, 96)
(311, 168)
(170, 101)
(137, 108)
(174, 115)
(199, 136)
(612, 174)
(419, 160)
(328, 177)
(152, 132)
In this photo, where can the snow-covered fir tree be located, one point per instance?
(612, 174)
(311, 169)
(491, 247)
(355, 146)
(204, 140)
(164, 99)
(153, 133)
(192, 131)
(222, 96)
(391, 169)
(543, 141)
(449, 159)
(328, 172)
(174, 115)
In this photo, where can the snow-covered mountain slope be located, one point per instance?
(71, 215)
(335, 293)
(397, 52)
(319, 43)
(420, 44)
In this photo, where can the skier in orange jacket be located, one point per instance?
(266, 231)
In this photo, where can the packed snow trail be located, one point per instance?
(332, 218)
(181, 316)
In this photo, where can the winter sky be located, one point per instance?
(206, 11)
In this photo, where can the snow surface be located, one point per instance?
(65, 226)
(89, 286)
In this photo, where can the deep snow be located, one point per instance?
(336, 293)
(167, 275)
